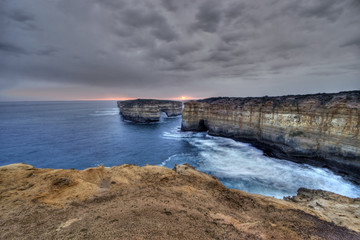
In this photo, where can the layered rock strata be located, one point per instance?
(152, 202)
(320, 129)
(148, 110)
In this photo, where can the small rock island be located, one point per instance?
(148, 110)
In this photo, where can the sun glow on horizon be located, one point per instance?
(183, 98)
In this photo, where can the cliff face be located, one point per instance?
(152, 202)
(321, 129)
(148, 110)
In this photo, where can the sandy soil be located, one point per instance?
(131, 202)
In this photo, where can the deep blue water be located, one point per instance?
(87, 134)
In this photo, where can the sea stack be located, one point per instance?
(320, 129)
(148, 110)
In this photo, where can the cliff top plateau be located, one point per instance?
(152, 202)
(322, 98)
(141, 102)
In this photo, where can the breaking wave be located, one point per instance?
(240, 166)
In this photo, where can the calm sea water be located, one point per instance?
(87, 134)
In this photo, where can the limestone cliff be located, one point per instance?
(321, 129)
(152, 202)
(148, 110)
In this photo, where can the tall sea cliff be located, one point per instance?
(320, 129)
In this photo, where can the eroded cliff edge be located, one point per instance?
(152, 202)
(320, 129)
(148, 110)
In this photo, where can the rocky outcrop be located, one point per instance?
(332, 207)
(152, 202)
(320, 129)
(148, 110)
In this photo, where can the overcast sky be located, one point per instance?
(92, 49)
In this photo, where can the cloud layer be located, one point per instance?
(169, 48)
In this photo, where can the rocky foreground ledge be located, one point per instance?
(148, 110)
(131, 202)
(319, 129)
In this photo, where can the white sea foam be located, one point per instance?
(175, 159)
(241, 166)
(107, 112)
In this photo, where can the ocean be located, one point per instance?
(85, 134)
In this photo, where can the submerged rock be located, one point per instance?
(319, 129)
(152, 202)
(148, 110)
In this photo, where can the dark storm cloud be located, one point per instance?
(8, 48)
(21, 16)
(50, 51)
(353, 42)
(208, 16)
(112, 4)
(181, 66)
(165, 34)
(139, 18)
(184, 48)
(24, 19)
(330, 9)
(170, 5)
(198, 47)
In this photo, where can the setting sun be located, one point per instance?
(183, 98)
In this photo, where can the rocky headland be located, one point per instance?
(152, 202)
(318, 129)
(148, 110)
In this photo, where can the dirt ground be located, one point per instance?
(131, 202)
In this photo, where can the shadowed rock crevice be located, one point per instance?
(148, 110)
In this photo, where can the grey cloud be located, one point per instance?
(17, 50)
(184, 48)
(234, 10)
(353, 42)
(170, 5)
(25, 19)
(139, 18)
(12, 49)
(284, 65)
(50, 51)
(330, 9)
(112, 4)
(21, 16)
(208, 16)
(219, 57)
(165, 34)
(141, 46)
(163, 53)
(224, 47)
(173, 51)
(288, 46)
(233, 37)
(181, 66)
